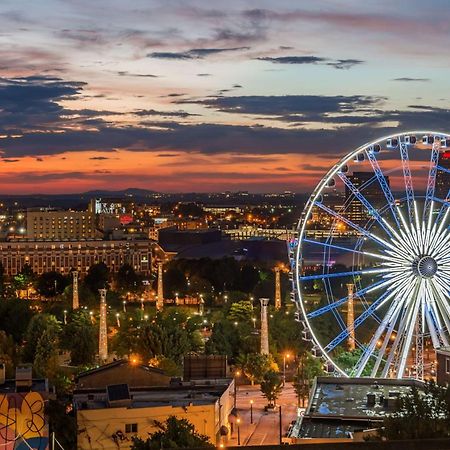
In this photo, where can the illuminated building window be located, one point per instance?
(131, 428)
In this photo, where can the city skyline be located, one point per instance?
(185, 97)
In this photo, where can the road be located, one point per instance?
(265, 427)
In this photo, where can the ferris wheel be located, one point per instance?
(371, 261)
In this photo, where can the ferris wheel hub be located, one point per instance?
(425, 266)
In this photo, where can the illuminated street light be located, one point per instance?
(238, 421)
(124, 303)
(118, 319)
(251, 411)
(285, 356)
(65, 317)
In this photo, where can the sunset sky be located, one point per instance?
(184, 96)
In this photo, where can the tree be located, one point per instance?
(61, 423)
(241, 311)
(50, 284)
(256, 365)
(127, 279)
(97, 277)
(39, 324)
(271, 387)
(8, 355)
(174, 433)
(45, 361)
(421, 414)
(15, 316)
(79, 338)
(308, 368)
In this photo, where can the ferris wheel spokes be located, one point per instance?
(382, 182)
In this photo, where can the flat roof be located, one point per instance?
(348, 397)
(144, 397)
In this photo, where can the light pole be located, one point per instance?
(251, 411)
(91, 314)
(118, 319)
(238, 421)
(124, 303)
(254, 322)
(285, 356)
(236, 375)
(65, 317)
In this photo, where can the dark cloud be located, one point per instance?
(293, 59)
(99, 158)
(153, 112)
(303, 105)
(204, 75)
(10, 160)
(311, 59)
(407, 79)
(345, 63)
(124, 73)
(195, 53)
(32, 102)
(167, 155)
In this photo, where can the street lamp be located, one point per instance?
(251, 411)
(118, 319)
(285, 356)
(236, 375)
(238, 421)
(124, 303)
(65, 317)
(91, 314)
(254, 322)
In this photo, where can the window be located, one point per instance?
(447, 365)
(131, 428)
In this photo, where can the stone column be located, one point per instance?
(160, 299)
(277, 288)
(264, 327)
(75, 300)
(351, 317)
(103, 331)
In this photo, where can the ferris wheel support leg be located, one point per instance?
(409, 333)
(369, 351)
(391, 361)
(419, 342)
(387, 337)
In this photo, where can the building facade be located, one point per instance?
(369, 186)
(64, 256)
(48, 225)
(110, 414)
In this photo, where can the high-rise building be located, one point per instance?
(49, 225)
(443, 177)
(368, 185)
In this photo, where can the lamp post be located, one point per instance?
(118, 319)
(65, 317)
(124, 303)
(285, 356)
(254, 322)
(238, 421)
(236, 375)
(251, 411)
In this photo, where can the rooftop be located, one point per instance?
(357, 398)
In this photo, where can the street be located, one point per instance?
(265, 427)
